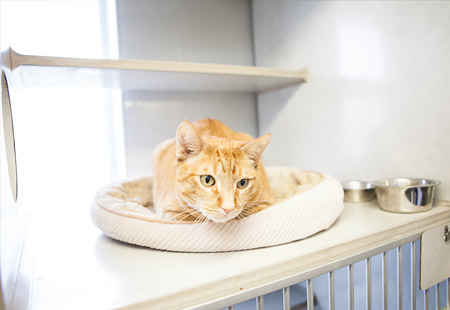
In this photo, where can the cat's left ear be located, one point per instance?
(255, 148)
(188, 141)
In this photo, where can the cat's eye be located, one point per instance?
(207, 180)
(242, 183)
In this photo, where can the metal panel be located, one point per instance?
(434, 257)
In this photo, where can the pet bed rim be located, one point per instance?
(106, 207)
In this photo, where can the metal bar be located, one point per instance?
(400, 281)
(448, 292)
(413, 267)
(286, 298)
(331, 286)
(385, 280)
(369, 282)
(438, 296)
(260, 303)
(427, 299)
(310, 293)
(351, 287)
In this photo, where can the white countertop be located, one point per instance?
(76, 266)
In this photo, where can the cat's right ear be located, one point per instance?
(189, 143)
(255, 148)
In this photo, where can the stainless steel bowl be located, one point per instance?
(405, 195)
(358, 191)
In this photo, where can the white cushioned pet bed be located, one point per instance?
(306, 203)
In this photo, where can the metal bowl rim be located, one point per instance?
(368, 186)
(380, 183)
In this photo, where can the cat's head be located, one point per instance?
(217, 177)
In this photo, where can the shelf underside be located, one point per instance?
(43, 71)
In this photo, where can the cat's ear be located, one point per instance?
(189, 143)
(255, 148)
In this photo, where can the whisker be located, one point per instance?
(174, 217)
(182, 219)
(204, 224)
(257, 204)
(201, 221)
(243, 214)
(188, 212)
(185, 211)
(259, 201)
(212, 211)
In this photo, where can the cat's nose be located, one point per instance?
(227, 209)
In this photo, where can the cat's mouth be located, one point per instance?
(221, 218)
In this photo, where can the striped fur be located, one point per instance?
(210, 148)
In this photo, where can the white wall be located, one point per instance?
(194, 31)
(150, 118)
(378, 101)
(377, 104)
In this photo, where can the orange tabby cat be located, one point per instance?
(210, 172)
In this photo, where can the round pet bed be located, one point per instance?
(306, 203)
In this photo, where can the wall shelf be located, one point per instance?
(45, 71)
